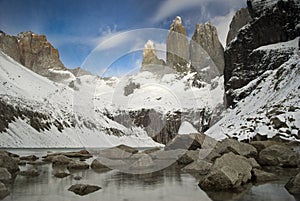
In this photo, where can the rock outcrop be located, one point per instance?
(34, 52)
(240, 19)
(206, 51)
(150, 56)
(177, 46)
(273, 23)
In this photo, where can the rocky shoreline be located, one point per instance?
(226, 166)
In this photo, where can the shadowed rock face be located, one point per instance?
(177, 46)
(240, 19)
(275, 22)
(206, 50)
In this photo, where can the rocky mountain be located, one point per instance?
(206, 52)
(177, 46)
(275, 22)
(150, 60)
(36, 53)
(240, 19)
(261, 76)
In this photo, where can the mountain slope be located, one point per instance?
(271, 106)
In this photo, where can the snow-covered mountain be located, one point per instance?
(272, 105)
(83, 111)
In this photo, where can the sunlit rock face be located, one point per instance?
(240, 19)
(206, 51)
(34, 52)
(177, 46)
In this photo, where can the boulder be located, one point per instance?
(143, 162)
(191, 142)
(228, 172)
(37, 163)
(83, 189)
(262, 176)
(77, 178)
(106, 163)
(8, 162)
(5, 176)
(29, 158)
(118, 152)
(201, 167)
(59, 160)
(278, 155)
(260, 145)
(97, 165)
(293, 185)
(77, 165)
(29, 173)
(61, 174)
(73, 154)
(240, 148)
(3, 191)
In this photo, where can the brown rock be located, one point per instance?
(177, 46)
(3, 191)
(262, 176)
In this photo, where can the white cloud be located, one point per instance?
(222, 24)
(171, 7)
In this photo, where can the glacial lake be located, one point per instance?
(165, 185)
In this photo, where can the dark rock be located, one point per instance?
(293, 185)
(127, 149)
(37, 163)
(228, 172)
(262, 176)
(240, 19)
(277, 23)
(8, 162)
(96, 165)
(83, 189)
(201, 167)
(77, 177)
(240, 148)
(278, 155)
(129, 89)
(206, 51)
(191, 142)
(177, 46)
(59, 160)
(149, 151)
(5, 176)
(29, 173)
(78, 165)
(278, 123)
(61, 174)
(73, 154)
(260, 145)
(29, 158)
(3, 191)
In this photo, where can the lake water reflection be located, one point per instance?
(165, 185)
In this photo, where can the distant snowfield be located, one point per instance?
(89, 99)
(276, 96)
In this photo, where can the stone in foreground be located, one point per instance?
(83, 189)
(3, 191)
(293, 185)
(228, 172)
(278, 155)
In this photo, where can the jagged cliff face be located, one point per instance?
(177, 46)
(34, 52)
(206, 51)
(240, 19)
(274, 22)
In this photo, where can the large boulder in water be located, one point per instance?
(8, 162)
(228, 172)
(83, 189)
(293, 185)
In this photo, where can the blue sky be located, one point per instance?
(79, 27)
